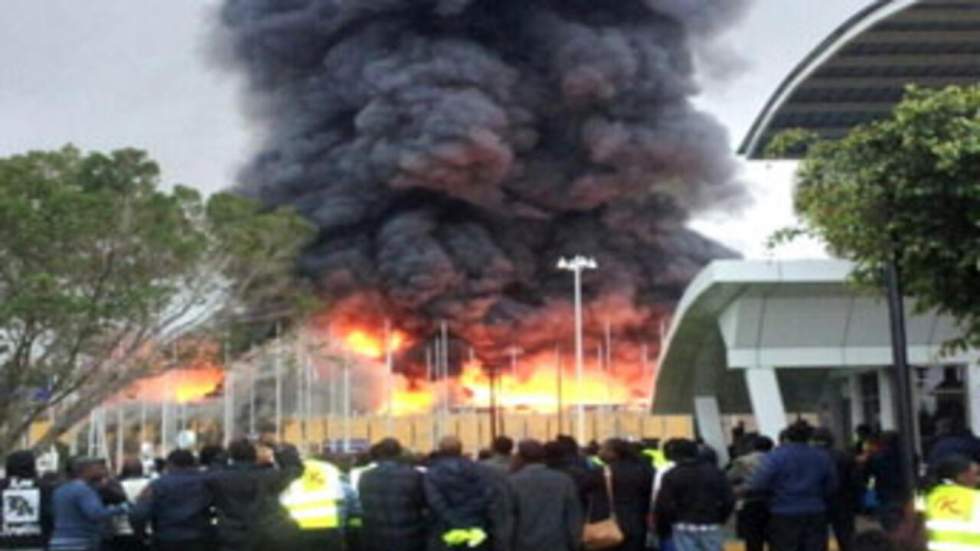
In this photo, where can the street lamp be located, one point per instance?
(577, 265)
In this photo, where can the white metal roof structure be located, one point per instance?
(859, 72)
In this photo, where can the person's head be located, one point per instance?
(242, 451)
(388, 449)
(685, 450)
(484, 454)
(132, 467)
(530, 452)
(180, 460)
(555, 456)
(863, 431)
(213, 455)
(762, 444)
(798, 433)
(707, 454)
(502, 445)
(89, 469)
(670, 449)
(592, 449)
(959, 470)
(22, 464)
(567, 445)
(450, 446)
(615, 449)
(268, 435)
(823, 437)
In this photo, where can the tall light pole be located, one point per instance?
(389, 379)
(577, 265)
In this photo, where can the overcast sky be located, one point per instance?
(104, 74)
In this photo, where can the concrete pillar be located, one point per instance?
(767, 401)
(708, 416)
(886, 398)
(973, 396)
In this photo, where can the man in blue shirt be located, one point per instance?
(79, 514)
(799, 479)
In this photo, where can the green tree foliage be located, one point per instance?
(101, 271)
(907, 186)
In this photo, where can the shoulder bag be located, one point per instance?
(606, 533)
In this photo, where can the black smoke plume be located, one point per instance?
(450, 151)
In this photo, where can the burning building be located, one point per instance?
(450, 151)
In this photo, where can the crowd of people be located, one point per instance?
(261, 495)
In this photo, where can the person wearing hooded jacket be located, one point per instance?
(459, 497)
(26, 522)
(393, 502)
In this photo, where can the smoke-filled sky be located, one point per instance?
(111, 73)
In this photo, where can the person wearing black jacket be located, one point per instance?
(695, 499)
(393, 503)
(632, 484)
(246, 499)
(547, 512)
(178, 507)
(458, 495)
(843, 504)
(27, 518)
(563, 455)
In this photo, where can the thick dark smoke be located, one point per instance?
(451, 151)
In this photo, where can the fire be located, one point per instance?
(364, 343)
(535, 388)
(181, 385)
(412, 397)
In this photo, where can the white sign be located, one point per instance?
(22, 512)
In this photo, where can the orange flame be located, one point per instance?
(535, 387)
(364, 343)
(181, 385)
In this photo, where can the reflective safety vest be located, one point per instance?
(953, 518)
(314, 499)
(658, 459)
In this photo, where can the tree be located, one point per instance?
(906, 187)
(101, 272)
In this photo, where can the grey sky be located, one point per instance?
(104, 74)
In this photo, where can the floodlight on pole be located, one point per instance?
(577, 265)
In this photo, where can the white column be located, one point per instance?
(708, 417)
(973, 396)
(767, 401)
(886, 398)
(857, 400)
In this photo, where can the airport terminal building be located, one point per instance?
(777, 338)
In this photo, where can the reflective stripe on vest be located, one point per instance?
(953, 519)
(356, 474)
(313, 499)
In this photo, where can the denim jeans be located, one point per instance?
(698, 540)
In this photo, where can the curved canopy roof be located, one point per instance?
(802, 317)
(860, 71)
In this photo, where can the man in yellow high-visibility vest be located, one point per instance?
(953, 506)
(316, 503)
